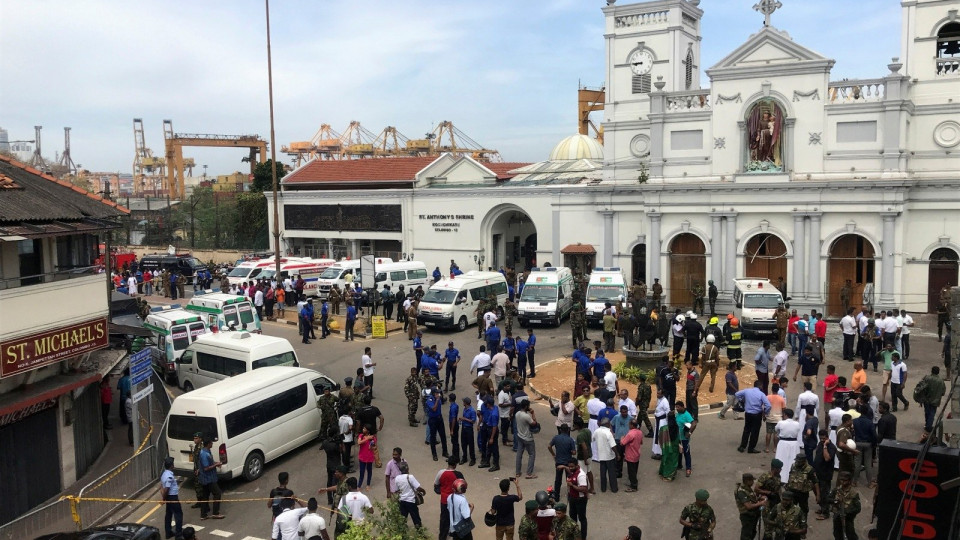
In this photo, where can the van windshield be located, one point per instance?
(761, 301)
(603, 293)
(439, 296)
(240, 271)
(539, 293)
(331, 273)
(282, 359)
(230, 317)
(246, 314)
(182, 427)
(193, 262)
(180, 338)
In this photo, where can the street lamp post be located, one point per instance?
(273, 153)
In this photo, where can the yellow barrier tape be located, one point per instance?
(139, 449)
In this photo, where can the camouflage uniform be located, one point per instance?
(411, 389)
(328, 412)
(656, 294)
(749, 518)
(697, 291)
(197, 486)
(782, 519)
(703, 519)
(643, 405)
(845, 502)
(783, 319)
(770, 482)
(577, 326)
(565, 529)
(481, 310)
(801, 481)
(528, 529)
(509, 314)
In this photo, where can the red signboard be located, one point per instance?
(919, 508)
(38, 350)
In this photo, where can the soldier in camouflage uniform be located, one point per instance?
(643, 404)
(528, 523)
(564, 528)
(697, 292)
(509, 314)
(782, 317)
(638, 297)
(785, 521)
(750, 506)
(846, 505)
(803, 480)
(411, 389)
(698, 519)
(328, 411)
(335, 299)
(481, 309)
(768, 484)
(578, 324)
(195, 457)
(656, 292)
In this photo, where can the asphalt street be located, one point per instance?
(655, 508)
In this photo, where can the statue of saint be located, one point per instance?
(764, 131)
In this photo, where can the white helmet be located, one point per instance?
(680, 318)
(690, 314)
(711, 338)
(693, 316)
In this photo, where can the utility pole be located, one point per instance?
(273, 154)
(193, 205)
(216, 221)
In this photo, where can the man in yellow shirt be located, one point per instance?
(859, 377)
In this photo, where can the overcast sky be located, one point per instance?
(504, 71)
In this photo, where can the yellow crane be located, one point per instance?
(325, 144)
(176, 163)
(589, 100)
(147, 169)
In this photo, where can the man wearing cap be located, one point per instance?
(528, 523)
(768, 484)
(801, 481)
(750, 505)
(786, 520)
(195, 458)
(712, 294)
(697, 518)
(693, 332)
(564, 528)
(170, 491)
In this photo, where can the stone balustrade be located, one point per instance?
(856, 91)
(641, 19)
(697, 100)
(948, 67)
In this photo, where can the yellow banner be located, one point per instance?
(379, 324)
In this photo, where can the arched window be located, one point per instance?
(948, 49)
(689, 68)
(764, 137)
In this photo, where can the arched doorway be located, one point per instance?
(766, 256)
(688, 267)
(851, 258)
(944, 265)
(638, 258)
(513, 240)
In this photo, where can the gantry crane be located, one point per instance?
(325, 144)
(589, 100)
(447, 138)
(174, 143)
(147, 169)
(390, 142)
(357, 141)
(65, 159)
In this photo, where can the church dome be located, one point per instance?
(577, 147)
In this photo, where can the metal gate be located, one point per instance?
(30, 468)
(87, 428)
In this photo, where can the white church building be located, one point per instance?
(776, 168)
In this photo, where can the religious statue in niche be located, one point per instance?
(765, 135)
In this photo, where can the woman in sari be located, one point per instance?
(670, 445)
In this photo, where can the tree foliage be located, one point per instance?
(385, 523)
(263, 177)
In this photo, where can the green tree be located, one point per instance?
(263, 177)
(251, 225)
(385, 523)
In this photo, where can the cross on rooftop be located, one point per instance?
(767, 7)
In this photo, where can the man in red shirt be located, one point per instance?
(792, 332)
(444, 482)
(830, 383)
(820, 328)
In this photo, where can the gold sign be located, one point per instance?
(38, 350)
(379, 325)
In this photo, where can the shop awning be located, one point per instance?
(579, 249)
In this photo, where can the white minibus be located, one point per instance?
(214, 357)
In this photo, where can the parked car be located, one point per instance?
(117, 531)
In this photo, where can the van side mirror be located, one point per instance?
(560, 295)
(740, 305)
(460, 301)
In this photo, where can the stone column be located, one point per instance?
(353, 249)
(797, 274)
(716, 266)
(814, 285)
(653, 244)
(886, 268)
(330, 248)
(730, 254)
(608, 238)
(555, 237)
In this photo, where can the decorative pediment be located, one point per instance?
(465, 170)
(769, 50)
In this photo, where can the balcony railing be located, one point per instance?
(697, 100)
(642, 19)
(856, 91)
(948, 67)
(49, 277)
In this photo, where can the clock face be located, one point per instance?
(641, 62)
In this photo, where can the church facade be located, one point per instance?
(773, 169)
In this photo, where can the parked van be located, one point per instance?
(333, 275)
(410, 274)
(253, 418)
(755, 301)
(452, 302)
(249, 270)
(174, 330)
(182, 263)
(225, 311)
(606, 284)
(214, 357)
(298, 267)
(547, 296)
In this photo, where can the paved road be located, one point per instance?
(655, 508)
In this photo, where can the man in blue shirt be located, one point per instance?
(487, 438)
(584, 362)
(522, 357)
(510, 347)
(351, 320)
(620, 425)
(429, 363)
(435, 421)
(454, 424)
(436, 274)
(418, 350)
(531, 350)
(467, 420)
(306, 315)
(123, 387)
(492, 335)
(600, 365)
(324, 313)
(170, 491)
(451, 359)
(208, 479)
(173, 285)
(755, 407)
(683, 418)
(607, 412)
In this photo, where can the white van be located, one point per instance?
(214, 357)
(452, 302)
(755, 301)
(606, 284)
(249, 270)
(174, 330)
(333, 275)
(254, 418)
(547, 296)
(225, 311)
(410, 274)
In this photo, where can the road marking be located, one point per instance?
(251, 538)
(148, 514)
(224, 534)
(195, 527)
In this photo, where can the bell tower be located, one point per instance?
(930, 39)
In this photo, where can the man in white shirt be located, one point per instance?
(345, 423)
(594, 406)
(488, 319)
(905, 334)
(481, 362)
(258, 302)
(287, 525)
(407, 488)
(606, 454)
(779, 368)
(898, 379)
(132, 285)
(807, 397)
(368, 365)
(610, 379)
(629, 403)
(311, 524)
(848, 326)
(504, 400)
(355, 504)
(499, 363)
(660, 417)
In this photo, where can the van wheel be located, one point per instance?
(253, 467)
(462, 324)
(557, 321)
(187, 387)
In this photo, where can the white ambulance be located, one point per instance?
(547, 296)
(606, 285)
(452, 302)
(334, 274)
(755, 301)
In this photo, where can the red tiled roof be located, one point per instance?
(579, 249)
(43, 201)
(502, 170)
(400, 169)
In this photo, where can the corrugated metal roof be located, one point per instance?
(41, 197)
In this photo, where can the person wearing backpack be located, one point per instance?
(928, 392)
(279, 493)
